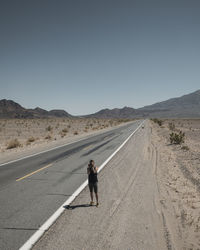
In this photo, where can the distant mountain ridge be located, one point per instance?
(186, 106)
(11, 109)
(125, 112)
(181, 107)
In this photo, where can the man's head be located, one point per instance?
(91, 163)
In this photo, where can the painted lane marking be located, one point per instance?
(88, 147)
(49, 165)
(38, 234)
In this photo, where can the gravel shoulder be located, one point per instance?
(130, 215)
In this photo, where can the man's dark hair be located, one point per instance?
(90, 163)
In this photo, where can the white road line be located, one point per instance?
(37, 235)
(48, 150)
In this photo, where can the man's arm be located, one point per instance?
(88, 170)
(95, 169)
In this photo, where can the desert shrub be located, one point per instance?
(177, 138)
(65, 130)
(75, 132)
(13, 144)
(30, 139)
(186, 148)
(124, 120)
(159, 122)
(49, 128)
(69, 126)
(171, 126)
(48, 137)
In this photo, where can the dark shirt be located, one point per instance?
(92, 177)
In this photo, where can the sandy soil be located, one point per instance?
(130, 212)
(149, 197)
(35, 135)
(178, 176)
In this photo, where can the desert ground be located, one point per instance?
(178, 176)
(149, 197)
(20, 137)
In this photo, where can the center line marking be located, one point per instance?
(88, 147)
(49, 165)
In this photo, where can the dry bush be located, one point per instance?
(123, 120)
(14, 144)
(49, 128)
(186, 148)
(31, 139)
(177, 138)
(159, 122)
(62, 135)
(75, 132)
(48, 137)
(65, 130)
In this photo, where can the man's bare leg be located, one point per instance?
(91, 195)
(96, 194)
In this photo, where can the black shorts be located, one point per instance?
(93, 186)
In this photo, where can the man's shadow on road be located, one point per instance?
(76, 206)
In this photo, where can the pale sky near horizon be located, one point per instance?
(86, 55)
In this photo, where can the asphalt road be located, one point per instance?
(32, 189)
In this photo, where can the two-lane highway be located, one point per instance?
(32, 189)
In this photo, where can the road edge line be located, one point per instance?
(38, 234)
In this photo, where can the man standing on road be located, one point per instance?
(93, 181)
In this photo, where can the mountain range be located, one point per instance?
(187, 106)
(11, 109)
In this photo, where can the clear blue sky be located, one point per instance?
(82, 55)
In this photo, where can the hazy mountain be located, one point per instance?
(125, 112)
(11, 109)
(187, 106)
(184, 106)
(59, 113)
(180, 107)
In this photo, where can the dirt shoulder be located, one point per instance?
(130, 212)
(178, 177)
